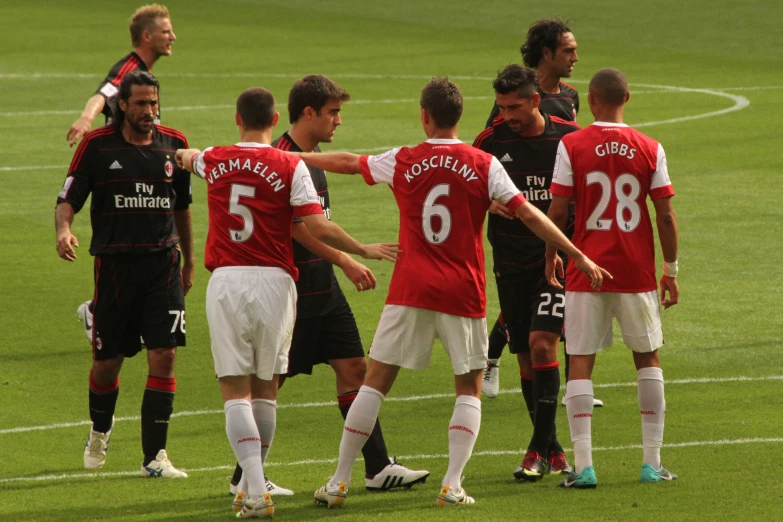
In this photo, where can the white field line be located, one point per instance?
(409, 398)
(306, 462)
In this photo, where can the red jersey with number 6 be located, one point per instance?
(443, 189)
(253, 193)
(609, 169)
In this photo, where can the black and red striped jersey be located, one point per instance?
(564, 105)
(110, 86)
(135, 190)
(530, 162)
(316, 275)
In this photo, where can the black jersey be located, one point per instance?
(316, 275)
(110, 86)
(564, 105)
(530, 162)
(135, 190)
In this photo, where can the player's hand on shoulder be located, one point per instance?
(65, 243)
(554, 270)
(669, 285)
(387, 251)
(594, 272)
(500, 209)
(361, 276)
(79, 128)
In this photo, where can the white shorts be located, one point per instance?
(405, 335)
(588, 321)
(251, 313)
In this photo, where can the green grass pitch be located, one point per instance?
(706, 80)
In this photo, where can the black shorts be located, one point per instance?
(529, 304)
(331, 335)
(137, 296)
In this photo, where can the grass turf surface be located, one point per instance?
(724, 169)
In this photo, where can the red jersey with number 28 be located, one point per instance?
(253, 193)
(443, 189)
(609, 169)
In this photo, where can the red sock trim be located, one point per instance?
(525, 376)
(162, 384)
(346, 399)
(96, 387)
(546, 367)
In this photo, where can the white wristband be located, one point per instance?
(670, 269)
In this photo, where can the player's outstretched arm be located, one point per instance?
(337, 162)
(541, 226)
(667, 234)
(361, 276)
(334, 236)
(184, 159)
(83, 125)
(63, 217)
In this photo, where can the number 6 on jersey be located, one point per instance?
(431, 209)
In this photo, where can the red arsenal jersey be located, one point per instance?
(443, 189)
(253, 193)
(609, 169)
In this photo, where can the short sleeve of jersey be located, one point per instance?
(502, 188)
(380, 168)
(77, 184)
(563, 177)
(304, 197)
(110, 85)
(660, 184)
(199, 164)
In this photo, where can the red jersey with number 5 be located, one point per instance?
(253, 193)
(609, 169)
(443, 189)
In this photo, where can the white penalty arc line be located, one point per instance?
(433, 396)
(307, 462)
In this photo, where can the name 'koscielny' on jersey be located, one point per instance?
(446, 162)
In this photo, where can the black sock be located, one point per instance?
(103, 400)
(376, 457)
(546, 383)
(498, 339)
(529, 395)
(237, 475)
(156, 408)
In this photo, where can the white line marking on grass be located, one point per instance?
(740, 102)
(488, 453)
(41, 167)
(409, 398)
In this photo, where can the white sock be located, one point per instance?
(579, 406)
(359, 423)
(242, 486)
(495, 362)
(652, 406)
(265, 414)
(463, 430)
(243, 435)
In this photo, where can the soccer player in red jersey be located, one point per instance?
(443, 188)
(609, 169)
(253, 193)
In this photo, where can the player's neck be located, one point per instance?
(303, 139)
(256, 136)
(130, 135)
(537, 128)
(609, 115)
(443, 134)
(148, 56)
(548, 82)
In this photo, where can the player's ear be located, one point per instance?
(536, 99)
(123, 105)
(627, 96)
(308, 113)
(275, 119)
(425, 117)
(238, 120)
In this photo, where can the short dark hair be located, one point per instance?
(543, 34)
(610, 86)
(514, 78)
(443, 101)
(136, 77)
(256, 107)
(313, 91)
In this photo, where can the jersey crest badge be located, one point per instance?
(168, 167)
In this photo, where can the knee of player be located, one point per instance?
(107, 370)
(351, 370)
(161, 361)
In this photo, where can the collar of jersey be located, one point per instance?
(251, 144)
(608, 124)
(443, 141)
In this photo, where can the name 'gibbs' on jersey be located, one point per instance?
(253, 193)
(443, 189)
(529, 162)
(135, 190)
(609, 169)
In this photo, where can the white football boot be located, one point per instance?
(396, 476)
(161, 467)
(334, 496)
(96, 448)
